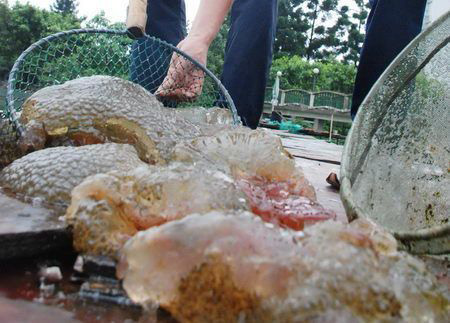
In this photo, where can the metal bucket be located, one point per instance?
(396, 162)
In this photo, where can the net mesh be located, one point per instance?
(77, 53)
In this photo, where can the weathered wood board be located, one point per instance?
(311, 148)
(27, 230)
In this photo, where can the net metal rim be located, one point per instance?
(435, 240)
(11, 112)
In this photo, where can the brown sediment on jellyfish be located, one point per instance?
(353, 271)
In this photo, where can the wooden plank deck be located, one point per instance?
(308, 147)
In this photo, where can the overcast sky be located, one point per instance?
(116, 12)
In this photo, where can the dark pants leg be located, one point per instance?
(248, 56)
(150, 61)
(391, 26)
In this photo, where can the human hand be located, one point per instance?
(184, 81)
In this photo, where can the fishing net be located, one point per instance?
(395, 167)
(85, 52)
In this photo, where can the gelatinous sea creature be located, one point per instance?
(106, 109)
(52, 173)
(246, 153)
(107, 209)
(282, 203)
(233, 267)
(213, 116)
(207, 267)
(122, 203)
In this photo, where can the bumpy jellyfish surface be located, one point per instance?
(101, 109)
(275, 187)
(51, 174)
(246, 153)
(230, 266)
(107, 209)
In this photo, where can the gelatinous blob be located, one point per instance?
(245, 153)
(107, 209)
(107, 109)
(234, 255)
(282, 203)
(230, 267)
(355, 271)
(52, 173)
(212, 116)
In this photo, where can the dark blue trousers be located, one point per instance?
(391, 26)
(248, 53)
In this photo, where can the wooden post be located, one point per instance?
(283, 97)
(311, 100)
(318, 125)
(331, 126)
(346, 100)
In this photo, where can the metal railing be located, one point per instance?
(321, 99)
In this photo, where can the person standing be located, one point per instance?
(248, 52)
(391, 26)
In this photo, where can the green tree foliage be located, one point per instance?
(80, 55)
(355, 37)
(100, 21)
(320, 29)
(345, 37)
(291, 29)
(22, 25)
(65, 7)
(298, 74)
(333, 41)
(317, 12)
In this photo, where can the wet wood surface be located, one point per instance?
(27, 230)
(308, 147)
